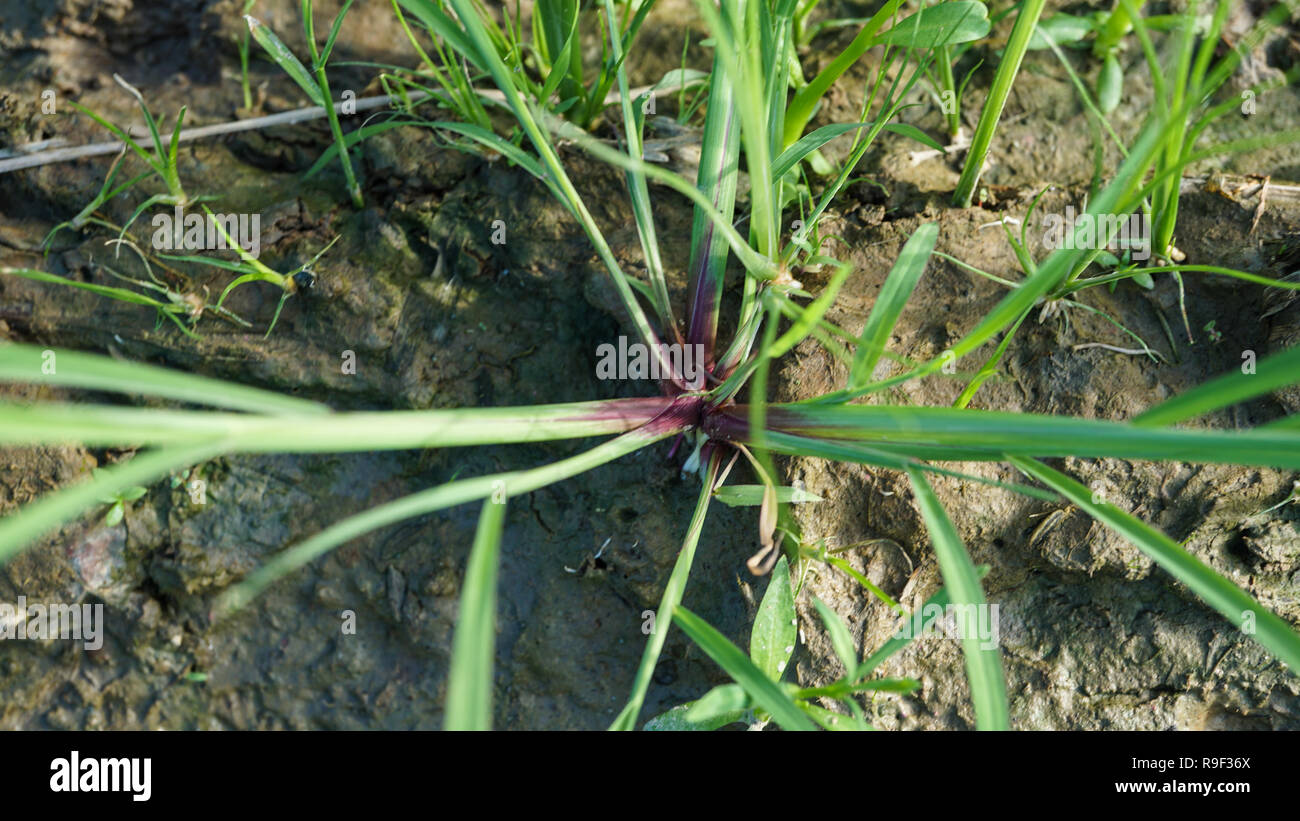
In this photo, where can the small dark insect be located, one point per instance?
(304, 279)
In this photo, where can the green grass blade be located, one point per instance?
(334, 33)
(983, 664)
(313, 432)
(110, 291)
(841, 639)
(71, 369)
(801, 108)
(766, 693)
(885, 456)
(441, 497)
(1229, 600)
(672, 597)
(1276, 371)
(810, 316)
(469, 684)
(286, 60)
(1026, 21)
(894, 294)
(990, 433)
(895, 643)
(19, 529)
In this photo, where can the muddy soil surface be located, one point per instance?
(435, 314)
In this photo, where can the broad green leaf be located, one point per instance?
(675, 720)
(115, 514)
(721, 702)
(469, 684)
(1110, 86)
(1062, 29)
(983, 664)
(771, 642)
(766, 693)
(752, 495)
(943, 24)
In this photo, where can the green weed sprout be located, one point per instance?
(1185, 87)
(934, 29)
(252, 270)
(117, 502)
(106, 192)
(182, 309)
(162, 164)
(314, 83)
(758, 694)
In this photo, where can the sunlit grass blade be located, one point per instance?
(766, 693)
(983, 664)
(717, 179)
(1229, 600)
(71, 369)
(18, 530)
(285, 59)
(894, 294)
(801, 108)
(514, 483)
(636, 180)
(885, 456)
(1276, 371)
(671, 598)
(990, 433)
(809, 317)
(469, 684)
(841, 639)
(313, 432)
(1009, 66)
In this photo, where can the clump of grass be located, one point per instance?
(162, 164)
(728, 418)
(1186, 87)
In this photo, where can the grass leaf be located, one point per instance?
(1231, 601)
(469, 684)
(894, 294)
(983, 664)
